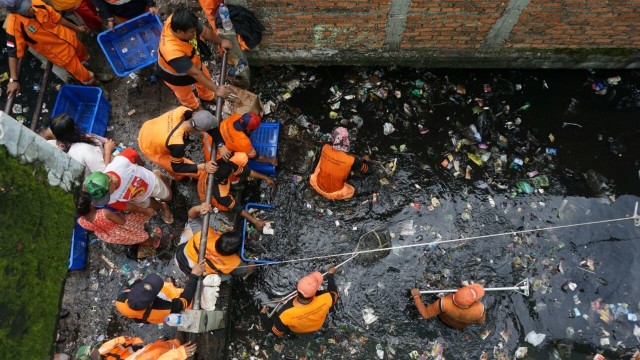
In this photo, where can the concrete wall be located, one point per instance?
(30, 148)
(453, 33)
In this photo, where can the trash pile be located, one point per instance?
(444, 142)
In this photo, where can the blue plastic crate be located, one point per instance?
(87, 105)
(265, 140)
(78, 256)
(132, 45)
(244, 233)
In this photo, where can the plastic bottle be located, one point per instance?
(476, 134)
(241, 65)
(177, 320)
(226, 18)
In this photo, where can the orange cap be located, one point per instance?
(308, 285)
(466, 296)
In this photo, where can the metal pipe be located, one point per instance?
(9, 105)
(210, 180)
(43, 87)
(521, 286)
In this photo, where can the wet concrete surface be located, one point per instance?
(590, 179)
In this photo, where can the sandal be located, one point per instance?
(168, 216)
(156, 237)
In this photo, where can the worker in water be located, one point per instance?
(222, 252)
(115, 11)
(335, 166)
(457, 310)
(306, 312)
(32, 23)
(134, 348)
(164, 140)
(150, 300)
(221, 197)
(180, 54)
(235, 131)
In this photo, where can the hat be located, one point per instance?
(250, 121)
(17, 6)
(203, 120)
(97, 185)
(340, 139)
(466, 296)
(308, 285)
(144, 292)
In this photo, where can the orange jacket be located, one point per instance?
(215, 263)
(450, 314)
(153, 137)
(171, 47)
(209, 7)
(335, 167)
(151, 315)
(56, 42)
(124, 347)
(234, 139)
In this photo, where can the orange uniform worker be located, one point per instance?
(179, 58)
(210, 7)
(163, 140)
(221, 255)
(130, 348)
(37, 25)
(334, 167)
(307, 312)
(235, 131)
(457, 310)
(221, 195)
(150, 300)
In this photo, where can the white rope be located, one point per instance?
(323, 257)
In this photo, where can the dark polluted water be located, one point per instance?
(553, 154)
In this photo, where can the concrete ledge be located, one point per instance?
(544, 58)
(29, 147)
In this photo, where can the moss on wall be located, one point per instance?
(36, 221)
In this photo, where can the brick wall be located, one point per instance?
(466, 33)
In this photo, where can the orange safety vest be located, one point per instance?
(157, 134)
(171, 47)
(119, 348)
(235, 140)
(307, 318)
(239, 159)
(215, 263)
(151, 315)
(334, 168)
(55, 42)
(460, 318)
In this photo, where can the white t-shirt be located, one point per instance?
(91, 156)
(136, 182)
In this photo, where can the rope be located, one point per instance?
(323, 257)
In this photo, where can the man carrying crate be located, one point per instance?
(180, 55)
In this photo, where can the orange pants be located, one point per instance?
(346, 192)
(75, 67)
(164, 161)
(185, 93)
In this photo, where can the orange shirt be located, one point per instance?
(56, 42)
(236, 140)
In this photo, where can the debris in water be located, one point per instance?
(534, 338)
(368, 316)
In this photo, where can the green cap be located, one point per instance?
(97, 185)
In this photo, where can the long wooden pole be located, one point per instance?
(212, 150)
